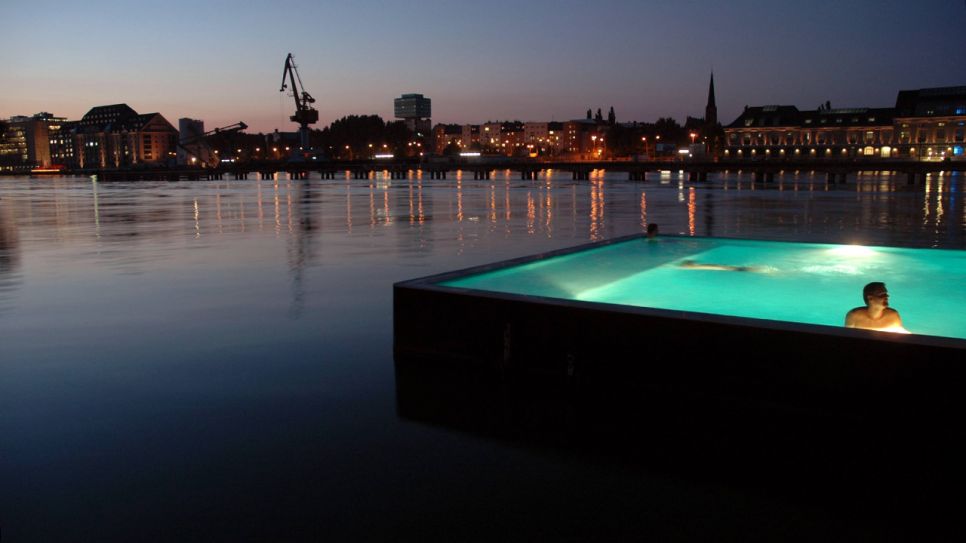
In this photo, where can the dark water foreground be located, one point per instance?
(213, 361)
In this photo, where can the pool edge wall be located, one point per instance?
(611, 347)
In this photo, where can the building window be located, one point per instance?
(869, 136)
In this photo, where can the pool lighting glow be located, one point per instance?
(852, 251)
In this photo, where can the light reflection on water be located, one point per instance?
(207, 326)
(126, 227)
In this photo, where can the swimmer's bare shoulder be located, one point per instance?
(854, 316)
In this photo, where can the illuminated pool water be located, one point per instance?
(795, 282)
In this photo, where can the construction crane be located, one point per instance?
(197, 146)
(304, 113)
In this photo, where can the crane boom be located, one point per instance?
(197, 146)
(305, 114)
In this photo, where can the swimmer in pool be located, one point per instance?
(652, 230)
(876, 313)
(693, 265)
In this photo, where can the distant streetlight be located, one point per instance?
(693, 135)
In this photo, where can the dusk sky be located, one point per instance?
(534, 60)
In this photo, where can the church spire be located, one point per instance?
(711, 110)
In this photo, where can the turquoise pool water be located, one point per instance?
(796, 282)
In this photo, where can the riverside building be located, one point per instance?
(26, 142)
(925, 124)
(116, 136)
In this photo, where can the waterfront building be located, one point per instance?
(535, 133)
(116, 136)
(583, 138)
(932, 122)
(416, 111)
(555, 138)
(491, 138)
(512, 134)
(543, 138)
(502, 138)
(926, 124)
(445, 135)
(470, 136)
(25, 142)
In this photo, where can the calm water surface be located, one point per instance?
(213, 360)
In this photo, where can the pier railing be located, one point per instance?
(764, 171)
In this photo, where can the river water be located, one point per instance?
(213, 360)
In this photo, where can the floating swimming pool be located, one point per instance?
(752, 319)
(793, 282)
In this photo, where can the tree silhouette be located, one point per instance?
(611, 117)
(599, 117)
(589, 114)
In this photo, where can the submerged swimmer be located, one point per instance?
(694, 265)
(876, 313)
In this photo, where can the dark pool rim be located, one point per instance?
(432, 283)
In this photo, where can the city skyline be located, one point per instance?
(535, 62)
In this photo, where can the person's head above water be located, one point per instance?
(875, 290)
(652, 230)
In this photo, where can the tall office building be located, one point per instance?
(25, 142)
(416, 110)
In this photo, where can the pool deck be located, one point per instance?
(600, 346)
